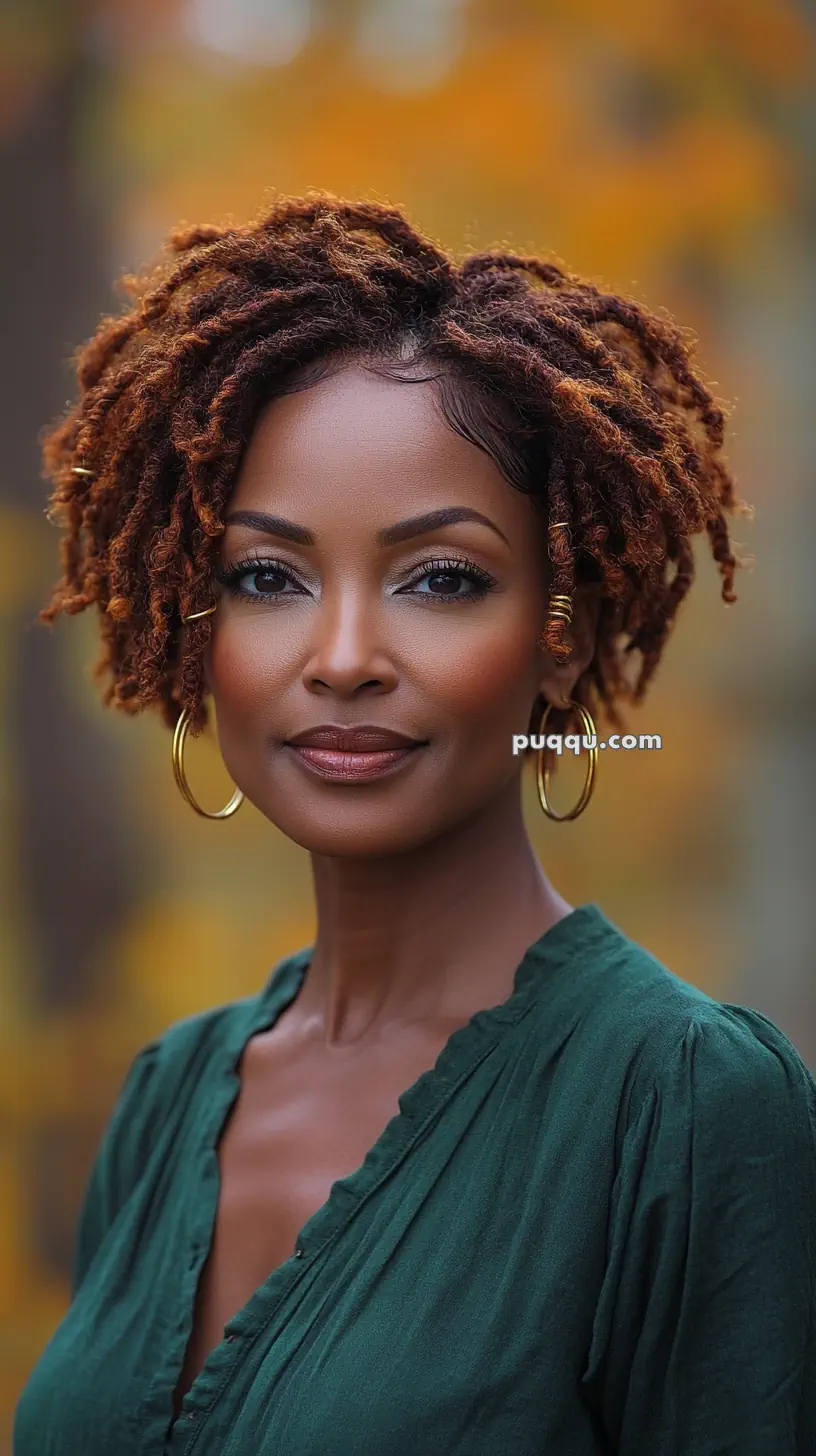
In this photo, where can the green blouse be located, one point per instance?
(590, 1228)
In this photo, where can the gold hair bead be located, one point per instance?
(79, 470)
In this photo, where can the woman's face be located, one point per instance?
(353, 612)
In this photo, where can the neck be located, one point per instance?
(430, 935)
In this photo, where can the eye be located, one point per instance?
(269, 580)
(264, 580)
(449, 581)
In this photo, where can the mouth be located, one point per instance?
(353, 755)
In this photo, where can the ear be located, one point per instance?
(556, 681)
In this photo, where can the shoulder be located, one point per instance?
(734, 1082)
(160, 1085)
(711, 1061)
(165, 1071)
(160, 1081)
(189, 1041)
(722, 1076)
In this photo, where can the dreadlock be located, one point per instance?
(587, 400)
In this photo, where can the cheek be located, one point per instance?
(486, 681)
(248, 668)
(487, 678)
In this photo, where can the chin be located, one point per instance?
(364, 836)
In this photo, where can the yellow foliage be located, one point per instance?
(521, 143)
(179, 956)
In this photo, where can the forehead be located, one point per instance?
(358, 442)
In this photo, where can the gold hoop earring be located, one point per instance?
(543, 774)
(179, 737)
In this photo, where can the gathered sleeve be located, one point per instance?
(704, 1340)
(119, 1158)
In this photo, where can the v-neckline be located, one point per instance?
(461, 1053)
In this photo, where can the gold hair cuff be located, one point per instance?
(560, 608)
(194, 616)
(79, 470)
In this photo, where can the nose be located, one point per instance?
(348, 654)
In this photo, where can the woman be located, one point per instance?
(474, 1173)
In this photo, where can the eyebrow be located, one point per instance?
(389, 536)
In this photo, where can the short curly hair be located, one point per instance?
(587, 400)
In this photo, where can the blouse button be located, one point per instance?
(298, 1252)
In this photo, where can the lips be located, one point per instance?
(352, 754)
(365, 739)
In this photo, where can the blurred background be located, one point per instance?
(663, 147)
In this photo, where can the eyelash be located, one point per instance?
(230, 577)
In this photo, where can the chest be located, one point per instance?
(291, 1134)
(454, 1309)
